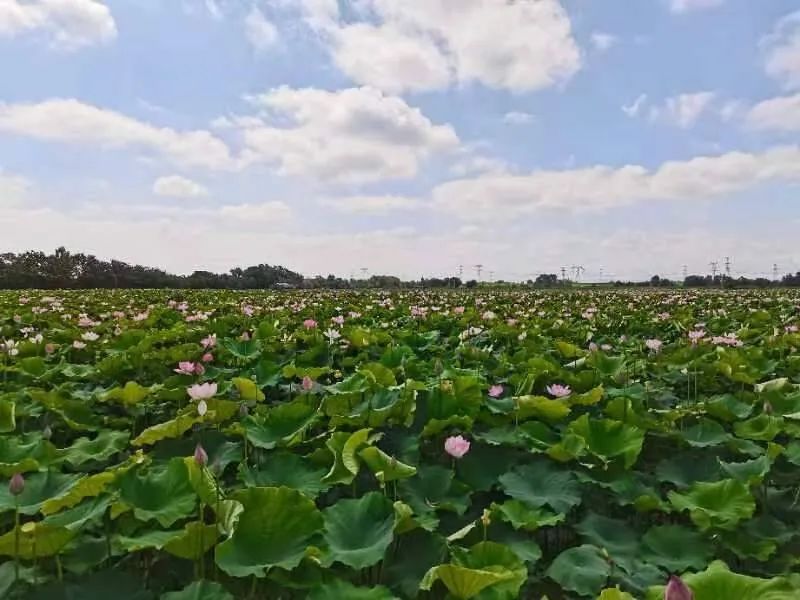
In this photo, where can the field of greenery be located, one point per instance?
(369, 446)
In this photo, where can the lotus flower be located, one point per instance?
(654, 345)
(200, 456)
(559, 391)
(185, 367)
(16, 485)
(677, 590)
(78, 345)
(209, 341)
(332, 335)
(456, 446)
(339, 320)
(459, 310)
(90, 336)
(207, 357)
(248, 310)
(496, 391)
(310, 324)
(202, 391)
(308, 383)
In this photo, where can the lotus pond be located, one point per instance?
(491, 445)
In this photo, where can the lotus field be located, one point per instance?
(342, 445)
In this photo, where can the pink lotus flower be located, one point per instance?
(308, 383)
(697, 336)
(677, 590)
(185, 367)
(16, 485)
(559, 391)
(199, 369)
(338, 320)
(593, 347)
(248, 310)
(49, 348)
(200, 456)
(209, 341)
(791, 329)
(310, 324)
(654, 345)
(459, 310)
(456, 446)
(496, 391)
(207, 357)
(202, 391)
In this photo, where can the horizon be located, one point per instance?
(329, 136)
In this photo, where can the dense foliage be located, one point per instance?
(217, 445)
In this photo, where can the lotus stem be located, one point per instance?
(16, 540)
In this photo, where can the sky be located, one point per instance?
(407, 137)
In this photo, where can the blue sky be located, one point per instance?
(405, 137)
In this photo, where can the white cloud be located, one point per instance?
(479, 164)
(351, 136)
(13, 189)
(633, 110)
(776, 114)
(68, 24)
(257, 214)
(427, 44)
(782, 52)
(518, 118)
(684, 6)
(603, 41)
(683, 110)
(72, 121)
(176, 186)
(260, 32)
(371, 204)
(732, 109)
(603, 187)
(388, 59)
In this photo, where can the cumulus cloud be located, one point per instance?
(13, 189)
(260, 32)
(683, 110)
(685, 6)
(775, 114)
(603, 41)
(353, 135)
(176, 186)
(602, 187)
(782, 52)
(67, 24)
(429, 44)
(516, 117)
(74, 122)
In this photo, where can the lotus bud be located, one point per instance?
(47, 433)
(677, 590)
(767, 407)
(49, 348)
(200, 456)
(207, 357)
(486, 517)
(308, 383)
(243, 410)
(16, 485)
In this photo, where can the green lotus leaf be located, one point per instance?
(200, 590)
(292, 371)
(193, 542)
(343, 590)
(203, 482)
(761, 428)
(749, 472)
(481, 468)
(282, 425)
(36, 540)
(161, 492)
(433, 488)
(39, 488)
(541, 484)
(607, 439)
(612, 535)
(436, 426)
(155, 539)
(416, 552)
(274, 530)
(589, 398)
(494, 557)
(614, 594)
(245, 351)
(464, 583)
(116, 584)
(359, 531)
(728, 407)
(456, 395)
(522, 516)
(77, 414)
(718, 582)
(686, 468)
(130, 394)
(77, 517)
(288, 470)
(719, 505)
(705, 433)
(583, 570)
(345, 447)
(675, 548)
(104, 446)
(21, 454)
(541, 407)
(248, 390)
(174, 428)
(386, 468)
(8, 421)
(379, 373)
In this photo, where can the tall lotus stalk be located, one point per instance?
(201, 459)
(16, 487)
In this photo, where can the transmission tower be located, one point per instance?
(478, 270)
(714, 266)
(685, 271)
(728, 267)
(364, 272)
(491, 276)
(775, 272)
(563, 273)
(460, 271)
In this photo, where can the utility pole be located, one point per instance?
(563, 273)
(478, 270)
(601, 274)
(491, 276)
(460, 271)
(685, 272)
(775, 272)
(714, 265)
